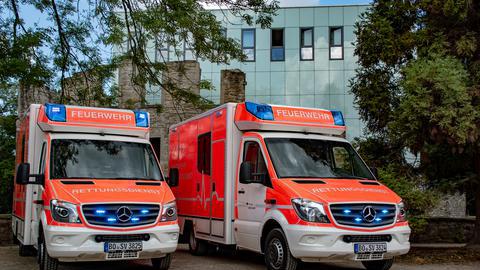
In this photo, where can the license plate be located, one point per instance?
(370, 248)
(122, 246)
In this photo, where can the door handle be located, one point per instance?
(198, 187)
(241, 192)
(213, 187)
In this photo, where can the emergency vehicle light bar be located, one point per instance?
(261, 111)
(338, 118)
(56, 112)
(141, 119)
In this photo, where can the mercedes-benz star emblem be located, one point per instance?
(124, 214)
(369, 214)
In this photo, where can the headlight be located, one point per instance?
(402, 212)
(64, 212)
(169, 212)
(310, 211)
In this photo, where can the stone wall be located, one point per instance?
(232, 86)
(83, 89)
(446, 230)
(183, 75)
(450, 205)
(32, 95)
(5, 230)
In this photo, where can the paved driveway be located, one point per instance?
(9, 260)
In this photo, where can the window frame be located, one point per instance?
(276, 47)
(254, 43)
(303, 46)
(330, 42)
(201, 168)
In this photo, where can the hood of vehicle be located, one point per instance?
(340, 190)
(103, 191)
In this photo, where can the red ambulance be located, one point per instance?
(284, 182)
(89, 188)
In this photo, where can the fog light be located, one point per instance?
(174, 236)
(58, 240)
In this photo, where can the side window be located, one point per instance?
(41, 167)
(253, 154)
(204, 153)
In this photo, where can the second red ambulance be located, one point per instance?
(282, 181)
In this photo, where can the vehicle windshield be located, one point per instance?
(309, 158)
(96, 159)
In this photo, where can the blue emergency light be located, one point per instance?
(141, 119)
(261, 111)
(338, 118)
(56, 112)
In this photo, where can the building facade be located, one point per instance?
(305, 59)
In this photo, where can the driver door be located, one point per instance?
(251, 198)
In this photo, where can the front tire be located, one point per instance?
(196, 246)
(378, 265)
(162, 263)
(277, 252)
(45, 262)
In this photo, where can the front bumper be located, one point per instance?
(313, 244)
(78, 243)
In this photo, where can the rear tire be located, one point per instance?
(277, 252)
(45, 262)
(196, 246)
(378, 265)
(162, 263)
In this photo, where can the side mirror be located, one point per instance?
(374, 170)
(23, 175)
(247, 177)
(173, 177)
(246, 173)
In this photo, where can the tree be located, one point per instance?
(74, 40)
(418, 85)
(77, 34)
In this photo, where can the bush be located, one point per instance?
(418, 199)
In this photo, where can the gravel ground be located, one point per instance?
(9, 260)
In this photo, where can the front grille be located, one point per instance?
(353, 214)
(113, 215)
(122, 238)
(367, 238)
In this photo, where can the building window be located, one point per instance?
(306, 44)
(278, 47)
(336, 43)
(161, 49)
(204, 153)
(153, 94)
(188, 53)
(248, 44)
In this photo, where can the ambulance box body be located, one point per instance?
(89, 187)
(282, 181)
